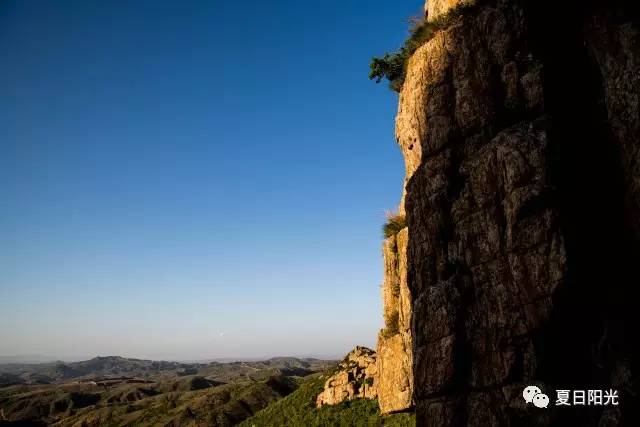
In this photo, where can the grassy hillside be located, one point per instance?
(96, 393)
(126, 404)
(220, 406)
(299, 409)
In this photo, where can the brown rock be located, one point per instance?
(355, 378)
(435, 8)
(395, 371)
(395, 376)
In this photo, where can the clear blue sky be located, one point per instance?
(194, 179)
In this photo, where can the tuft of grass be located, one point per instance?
(392, 325)
(393, 225)
(393, 66)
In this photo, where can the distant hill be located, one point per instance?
(30, 358)
(120, 391)
(110, 366)
(116, 366)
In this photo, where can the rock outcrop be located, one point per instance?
(519, 125)
(355, 378)
(395, 366)
(436, 8)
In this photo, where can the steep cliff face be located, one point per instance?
(519, 125)
(395, 359)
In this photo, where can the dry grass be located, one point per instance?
(393, 225)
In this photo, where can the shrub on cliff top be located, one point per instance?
(393, 66)
(395, 223)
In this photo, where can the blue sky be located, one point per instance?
(194, 179)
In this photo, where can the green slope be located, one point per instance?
(299, 409)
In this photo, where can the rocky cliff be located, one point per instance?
(519, 125)
(395, 366)
(354, 378)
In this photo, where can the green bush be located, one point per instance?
(395, 223)
(390, 67)
(393, 66)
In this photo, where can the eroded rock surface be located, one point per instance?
(435, 8)
(395, 361)
(355, 378)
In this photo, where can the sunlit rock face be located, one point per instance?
(520, 132)
(394, 352)
(355, 378)
(435, 8)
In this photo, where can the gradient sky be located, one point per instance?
(194, 179)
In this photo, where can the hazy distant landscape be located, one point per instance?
(108, 390)
(122, 391)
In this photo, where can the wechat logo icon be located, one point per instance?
(533, 394)
(529, 392)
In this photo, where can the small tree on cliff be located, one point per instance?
(393, 66)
